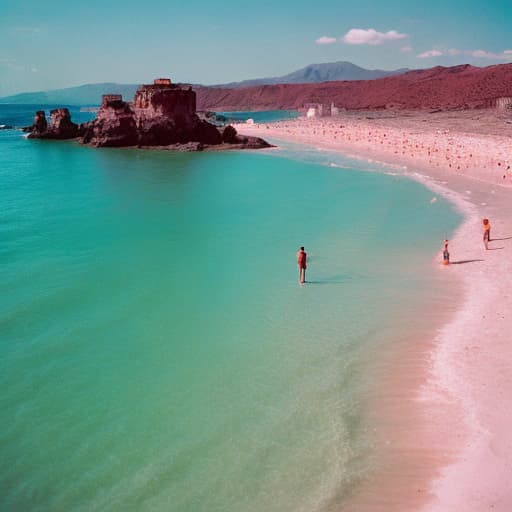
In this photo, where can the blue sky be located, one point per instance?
(53, 44)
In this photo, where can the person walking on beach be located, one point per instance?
(487, 232)
(301, 262)
(446, 254)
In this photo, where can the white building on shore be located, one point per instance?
(319, 110)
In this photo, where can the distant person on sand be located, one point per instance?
(446, 254)
(301, 262)
(487, 232)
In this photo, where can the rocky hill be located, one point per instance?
(454, 87)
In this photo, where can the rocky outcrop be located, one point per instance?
(60, 127)
(39, 126)
(114, 126)
(161, 115)
(229, 135)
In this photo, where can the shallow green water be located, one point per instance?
(156, 350)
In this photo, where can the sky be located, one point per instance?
(62, 43)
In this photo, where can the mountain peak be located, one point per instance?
(320, 72)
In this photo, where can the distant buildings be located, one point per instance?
(319, 110)
(108, 99)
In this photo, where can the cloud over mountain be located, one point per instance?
(371, 36)
(429, 54)
(477, 54)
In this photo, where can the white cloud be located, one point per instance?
(481, 54)
(371, 36)
(476, 54)
(34, 70)
(429, 54)
(406, 49)
(326, 40)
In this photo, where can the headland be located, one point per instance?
(162, 115)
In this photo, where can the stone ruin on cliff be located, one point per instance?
(161, 114)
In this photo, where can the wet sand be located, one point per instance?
(443, 417)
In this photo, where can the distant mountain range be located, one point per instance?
(315, 73)
(439, 87)
(456, 87)
(90, 94)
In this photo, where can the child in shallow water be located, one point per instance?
(487, 232)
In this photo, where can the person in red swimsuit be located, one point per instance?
(301, 262)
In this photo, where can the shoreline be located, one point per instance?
(458, 380)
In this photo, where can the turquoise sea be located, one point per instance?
(264, 116)
(156, 349)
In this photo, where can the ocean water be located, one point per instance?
(260, 116)
(156, 349)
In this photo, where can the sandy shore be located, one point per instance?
(450, 399)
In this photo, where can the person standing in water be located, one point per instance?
(487, 232)
(301, 262)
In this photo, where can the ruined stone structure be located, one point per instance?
(168, 99)
(162, 81)
(318, 109)
(162, 114)
(106, 99)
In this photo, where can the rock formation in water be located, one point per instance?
(114, 124)
(60, 127)
(161, 114)
(40, 125)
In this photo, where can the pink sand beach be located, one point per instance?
(445, 413)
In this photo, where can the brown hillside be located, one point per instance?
(462, 86)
